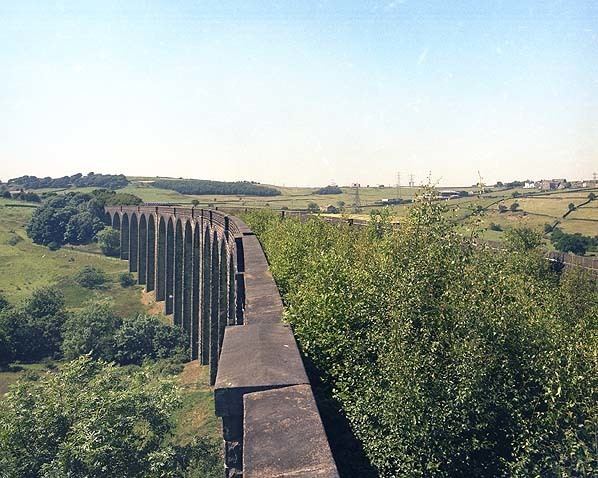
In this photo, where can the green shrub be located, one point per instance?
(95, 419)
(447, 359)
(126, 279)
(90, 277)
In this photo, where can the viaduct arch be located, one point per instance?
(212, 275)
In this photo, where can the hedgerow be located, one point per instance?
(449, 360)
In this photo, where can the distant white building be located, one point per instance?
(529, 185)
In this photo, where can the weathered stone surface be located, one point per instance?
(284, 436)
(255, 357)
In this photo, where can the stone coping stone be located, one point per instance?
(284, 436)
(255, 357)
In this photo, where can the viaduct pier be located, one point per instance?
(211, 273)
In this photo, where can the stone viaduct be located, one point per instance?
(212, 275)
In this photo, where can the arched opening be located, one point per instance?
(214, 309)
(223, 294)
(107, 219)
(169, 274)
(133, 243)
(204, 339)
(196, 291)
(116, 221)
(187, 279)
(232, 320)
(161, 261)
(178, 274)
(150, 276)
(124, 237)
(142, 248)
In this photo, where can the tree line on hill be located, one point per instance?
(448, 360)
(207, 187)
(108, 181)
(74, 218)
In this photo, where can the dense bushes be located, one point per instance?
(41, 328)
(575, 243)
(96, 330)
(448, 360)
(73, 218)
(109, 181)
(90, 277)
(202, 186)
(93, 419)
(33, 330)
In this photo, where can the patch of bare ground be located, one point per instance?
(149, 302)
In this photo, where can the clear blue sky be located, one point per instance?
(300, 92)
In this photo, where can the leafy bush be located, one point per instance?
(313, 207)
(126, 279)
(575, 243)
(90, 277)
(109, 241)
(96, 419)
(448, 359)
(98, 332)
(495, 227)
(33, 330)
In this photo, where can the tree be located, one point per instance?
(502, 208)
(126, 279)
(144, 337)
(571, 206)
(195, 202)
(591, 196)
(514, 206)
(109, 241)
(90, 277)
(313, 207)
(82, 228)
(94, 419)
(522, 239)
(91, 331)
(515, 194)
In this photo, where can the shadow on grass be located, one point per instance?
(348, 452)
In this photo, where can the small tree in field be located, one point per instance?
(313, 207)
(571, 206)
(195, 202)
(514, 206)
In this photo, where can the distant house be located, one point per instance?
(552, 184)
(330, 209)
(449, 194)
(529, 185)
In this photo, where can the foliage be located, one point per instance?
(144, 337)
(109, 241)
(495, 227)
(329, 190)
(575, 243)
(91, 331)
(448, 359)
(98, 332)
(33, 330)
(110, 181)
(522, 239)
(514, 206)
(313, 207)
(90, 277)
(73, 218)
(95, 419)
(126, 279)
(203, 186)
